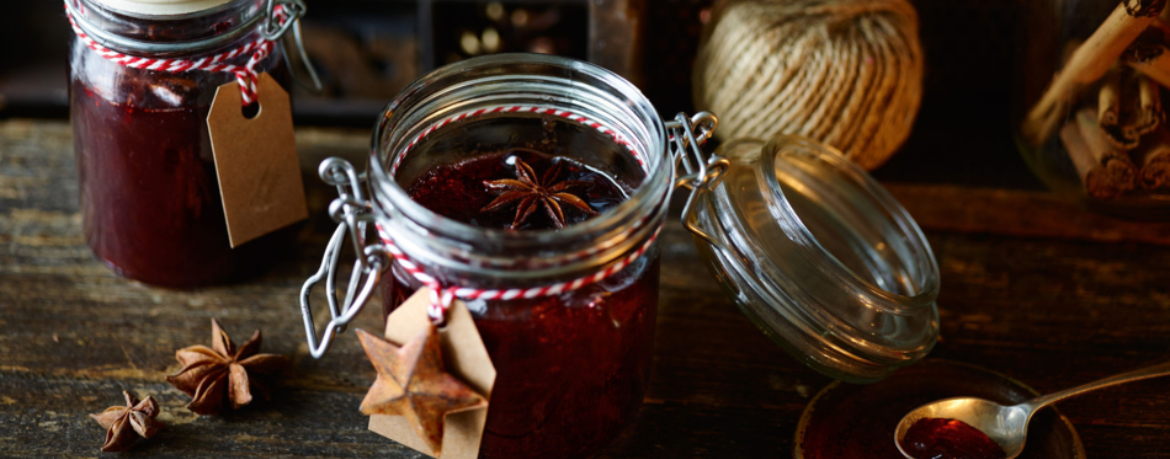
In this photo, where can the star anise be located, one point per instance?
(123, 422)
(224, 371)
(547, 193)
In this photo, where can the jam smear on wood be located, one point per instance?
(940, 438)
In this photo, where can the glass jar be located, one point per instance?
(810, 247)
(571, 368)
(149, 190)
(1089, 117)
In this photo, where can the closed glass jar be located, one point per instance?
(571, 367)
(149, 190)
(1089, 118)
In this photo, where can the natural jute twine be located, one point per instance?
(845, 72)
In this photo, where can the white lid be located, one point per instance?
(162, 7)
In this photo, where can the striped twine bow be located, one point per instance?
(245, 74)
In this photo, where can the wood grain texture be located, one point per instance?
(1049, 312)
(1020, 213)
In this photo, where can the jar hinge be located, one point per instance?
(274, 30)
(702, 172)
(354, 214)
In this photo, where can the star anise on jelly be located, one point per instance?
(124, 424)
(530, 194)
(211, 375)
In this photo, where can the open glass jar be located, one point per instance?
(818, 255)
(149, 190)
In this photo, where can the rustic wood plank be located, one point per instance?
(1019, 213)
(1052, 313)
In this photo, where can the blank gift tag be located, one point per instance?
(256, 161)
(464, 356)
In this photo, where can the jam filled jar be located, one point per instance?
(571, 367)
(534, 188)
(149, 190)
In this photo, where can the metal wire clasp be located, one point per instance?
(702, 172)
(354, 214)
(274, 30)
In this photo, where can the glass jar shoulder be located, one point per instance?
(103, 79)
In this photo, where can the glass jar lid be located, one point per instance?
(162, 7)
(820, 257)
(111, 23)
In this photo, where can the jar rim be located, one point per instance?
(94, 17)
(168, 9)
(387, 191)
(794, 226)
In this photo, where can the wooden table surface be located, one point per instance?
(1033, 287)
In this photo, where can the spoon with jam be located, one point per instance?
(974, 428)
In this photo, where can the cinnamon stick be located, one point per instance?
(1109, 99)
(1105, 171)
(1154, 157)
(1090, 172)
(1153, 64)
(1140, 111)
(1149, 108)
(1088, 64)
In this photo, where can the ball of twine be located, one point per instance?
(845, 72)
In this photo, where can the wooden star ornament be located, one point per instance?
(413, 382)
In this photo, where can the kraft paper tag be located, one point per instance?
(465, 357)
(256, 161)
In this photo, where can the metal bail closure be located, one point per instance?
(812, 249)
(354, 214)
(273, 30)
(702, 173)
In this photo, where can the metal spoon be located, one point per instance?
(1008, 425)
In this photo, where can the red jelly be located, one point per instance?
(459, 191)
(149, 190)
(939, 438)
(571, 368)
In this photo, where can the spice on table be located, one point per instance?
(939, 438)
(547, 193)
(413, 382)
(122, 423)
(210, 375)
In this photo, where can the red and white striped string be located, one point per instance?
(442, 296)
(245, 74)
(617, 137)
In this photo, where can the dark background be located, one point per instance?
(367, 50)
